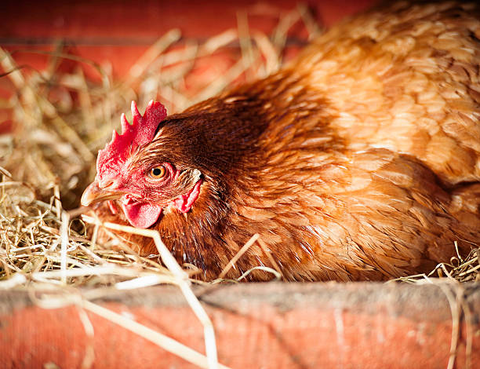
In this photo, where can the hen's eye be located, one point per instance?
(157, 172)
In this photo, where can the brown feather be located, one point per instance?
(358, 161)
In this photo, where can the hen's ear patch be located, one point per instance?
(141, 131)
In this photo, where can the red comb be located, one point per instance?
(141, 131)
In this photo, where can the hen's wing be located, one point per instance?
(406, 81)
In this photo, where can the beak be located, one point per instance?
(94, 194)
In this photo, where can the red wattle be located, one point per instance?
(142, 215)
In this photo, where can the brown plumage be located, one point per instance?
(358, 161)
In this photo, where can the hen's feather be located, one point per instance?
(358, 161)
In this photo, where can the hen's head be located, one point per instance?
(131, 171)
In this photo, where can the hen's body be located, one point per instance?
(359, 161)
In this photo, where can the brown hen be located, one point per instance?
(358, 161)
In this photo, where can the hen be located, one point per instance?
(358, 161)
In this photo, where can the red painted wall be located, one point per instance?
(120, 31)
